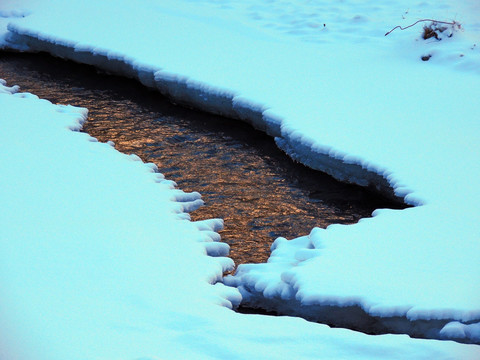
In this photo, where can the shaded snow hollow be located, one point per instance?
(363, 107)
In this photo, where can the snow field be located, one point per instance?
(98, 260)
(348, 101)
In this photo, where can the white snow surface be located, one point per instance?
(100, 261)
(340, 97)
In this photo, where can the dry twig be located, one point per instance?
(453, 23)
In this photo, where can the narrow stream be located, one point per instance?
(243, 177)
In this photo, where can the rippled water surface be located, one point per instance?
(243, 178)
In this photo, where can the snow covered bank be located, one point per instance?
(217, 101)
(187, 90)
(99, 260)
(342, 98)
(295, 281)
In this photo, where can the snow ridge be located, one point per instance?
(222, 102)
(275, 286)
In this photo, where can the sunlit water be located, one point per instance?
(258, 191)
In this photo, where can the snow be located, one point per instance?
(457, 331)
(342, 98)
(99, 260)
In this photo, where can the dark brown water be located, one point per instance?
(243, 177)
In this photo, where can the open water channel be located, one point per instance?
(243, 177)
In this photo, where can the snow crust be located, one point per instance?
(342, 98)
(99, 260)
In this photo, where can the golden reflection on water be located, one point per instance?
(242, 176)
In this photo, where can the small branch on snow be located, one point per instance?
(453, 23)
